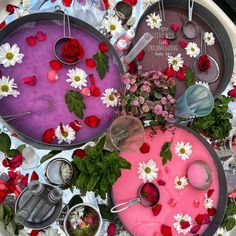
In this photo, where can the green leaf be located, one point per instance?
(11, 153)
(21, 147)
(124, 164)
(101, 143)
(189, 77)
(106, 213)
(231, 209)
(75, 103)
(1, 212)
(50, 155)
(81, 179)
(111, 177)
(5, 142)
(104, 184)
(166, 153)
(75, 200)
(102, 63)
(230, 223)
(93, 181)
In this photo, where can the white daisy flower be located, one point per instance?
(183, 150)
(147, 171)
(180, 182)
(9, 56)
(209, 38)
(77, 78)
(222, 232)
(65, 172)
(113, 25)
(49, 232)
(67, 134)
(8, 87)
(205, 84)
(154, 21)
(109, 98)
(180, 218)
(208, 202)
(176, 62)
(192, 50)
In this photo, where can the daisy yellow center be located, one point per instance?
(209, 38)
(112, 27)
(111, 97)
(65, 134)
(77, 78)
(192, 49)
(182, 150)
(5, 88)
(154, 20)
(9, 55)
(175, 62)
(179, 182)
(220, 235)
(148, 170)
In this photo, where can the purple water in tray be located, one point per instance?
(36, 62)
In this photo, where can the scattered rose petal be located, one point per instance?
(3, 193)
(11, 174)
(166, 230)
(35, 232)
(131, 2)
(169, 72)
(103, 47)
(167, 170)
(132, 67)
(232, 93)
(92, 121)
(52, 76)
(184, 224)
(34, 176)
(106, 4)
(49, 135)
(79, 153)
(5, 162)
(172, 202)
(55, 65)
(196, 203)
(175, 27)
(195, 229)
(41, 36)
(11, 8)
(2, 25)
(200, 219)
(66, 3)
(156, 209)
(111, 230)
(14, 135)
(91, 79)
(211, 211)
(206, 219)
(210, 192)
(145, 148)
(95, 91)
(75, 125)
(24, 181)
(183, 44)
(16, 161)
(90, 63)
(31, 40)
(161, 182)
(86, 92)
(180, 75)
(184, 68)
(30, 80)
(140, 55)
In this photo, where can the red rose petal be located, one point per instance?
(206, 219)
(200, 219)
(14, 135)
(161, 182)
(90, 63)
(169, 71)
(66, 3)
(211, 211)
(3, 193)
(184, 68)
(95, 91)
(5, 163)
(140, 55)
(111, 230)
(172, 202)
(41, 36)
(131, 2)
(175, 27)
(24, 181)
(184, 224)
(34, 176)
(195, 229)
(210, 192)
(92, 121)
(166, 230)
(75, 125)
(49, 135)
(10, 8)
(31, 40)
(103, 47)
(85, 92)
(35, 232)
(132, 67)
(183, 44)
(11, 174)
(16, 161)
(145, 148)
(156, 209)
(91, 79)
(30, 80)
(196, 203)
(52, 75)
(106, 4)
(180, 75)
(79, 153)
(2, 25)
(165, 42)
(55, 65)
(232, 93)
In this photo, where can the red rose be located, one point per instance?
(72, 50)
(203, 63)
(92, 121)
(211, 211)
(106, 4)
(103, 47)
(35, 232)
(145, 148)
(49, 135)
(79, 153)
(132, 67)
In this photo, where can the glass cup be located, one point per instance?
(30, 158)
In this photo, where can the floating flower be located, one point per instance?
(145, 148)
(204, 63)
(180, 182)
(205, 84)
(92, 121)
(183, 44)
(166, 230)
(147, 171)
(8, 87)
(65, 172)
(76, 215)
(183, 150)
(192, 50)
(77, 78)
(65, 133)
(208, 202)
(209, 38)
(49, 232)
(113, 25)
(90, 63)
(154, 21)
(9, 56)
(48, 135)
(103, 47)
(109, 97)
(31, 40)
(156, 209)
(55, 65)
(176, 62)
(183, 223)
(29, 80)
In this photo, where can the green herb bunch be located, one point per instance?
(229, 221)
(99, 169)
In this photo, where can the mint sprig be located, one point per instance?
(102, 63)
(166, 153)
